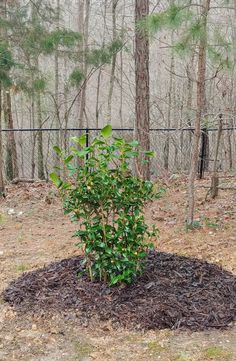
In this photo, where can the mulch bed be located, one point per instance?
(174, 292)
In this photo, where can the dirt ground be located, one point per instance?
(34, 232)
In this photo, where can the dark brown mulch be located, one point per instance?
(174, 292)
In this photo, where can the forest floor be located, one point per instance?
(34, 232)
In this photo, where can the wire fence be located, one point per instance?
(35, 157)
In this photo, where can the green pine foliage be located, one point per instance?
(76, 77)
(62, 37)
(6, 64)
(191, 31)
(103, 55)
(173, 17)
(39, 85)
(29, 35)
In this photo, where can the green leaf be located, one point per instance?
(131, 154)
(74, 140)
(57, 150)
(149, 154)
(66, 186)
(82, 140)
(98, 141)
(106, 131)
(56, 180)
(68, 159)
(134, 143)
(83, 153)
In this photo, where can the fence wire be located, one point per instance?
(171, 146)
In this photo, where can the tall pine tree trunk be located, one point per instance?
(2, 185)
(12, 170)
(85, 65)
(113, 63)
(41, 174)
(11, 152)
(59, 135)
(169, 112)
(201, 76)
(142, 86)
(100, 69)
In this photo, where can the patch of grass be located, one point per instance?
(21, 268)
(216, 353)
(2, 218)
(213, 224)
(227, 226)
(155, 347)
(193, 226)
(83, 349)
(166, 333)
(182, 356)
(20, 236)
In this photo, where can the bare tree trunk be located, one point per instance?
(142, 86)
(167, 142)
(57, 66)
(66, 106)
(11, 152)
(85, 65)
(56, 60)
(97, 97)
(200, 106)
(122, 72)
(41, 174)
(34, 135)
(100, 69)
(113, 65)
(12, 170)
(214, 179)
(2, 185)
(189, 72)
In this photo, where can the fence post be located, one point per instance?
(87, 141)
(203, 153)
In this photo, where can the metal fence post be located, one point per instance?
(203, 153)
(87, 141)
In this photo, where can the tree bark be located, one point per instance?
(113, 63)
(85, 65)
(214, 178)
(122, 72)
(100, 69)
(41, 174)
(169, 112)
(142, 87)
(201, 75)
(11, 152)
(2, 185)
(58, 122)
(12, 170)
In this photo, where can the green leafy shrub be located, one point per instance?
(102, 194)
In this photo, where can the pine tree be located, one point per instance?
(142, 86)
(194, 35)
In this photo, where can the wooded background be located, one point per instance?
(168, 66)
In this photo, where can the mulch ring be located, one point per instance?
(174, 292)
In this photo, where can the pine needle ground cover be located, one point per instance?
(43, 234)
